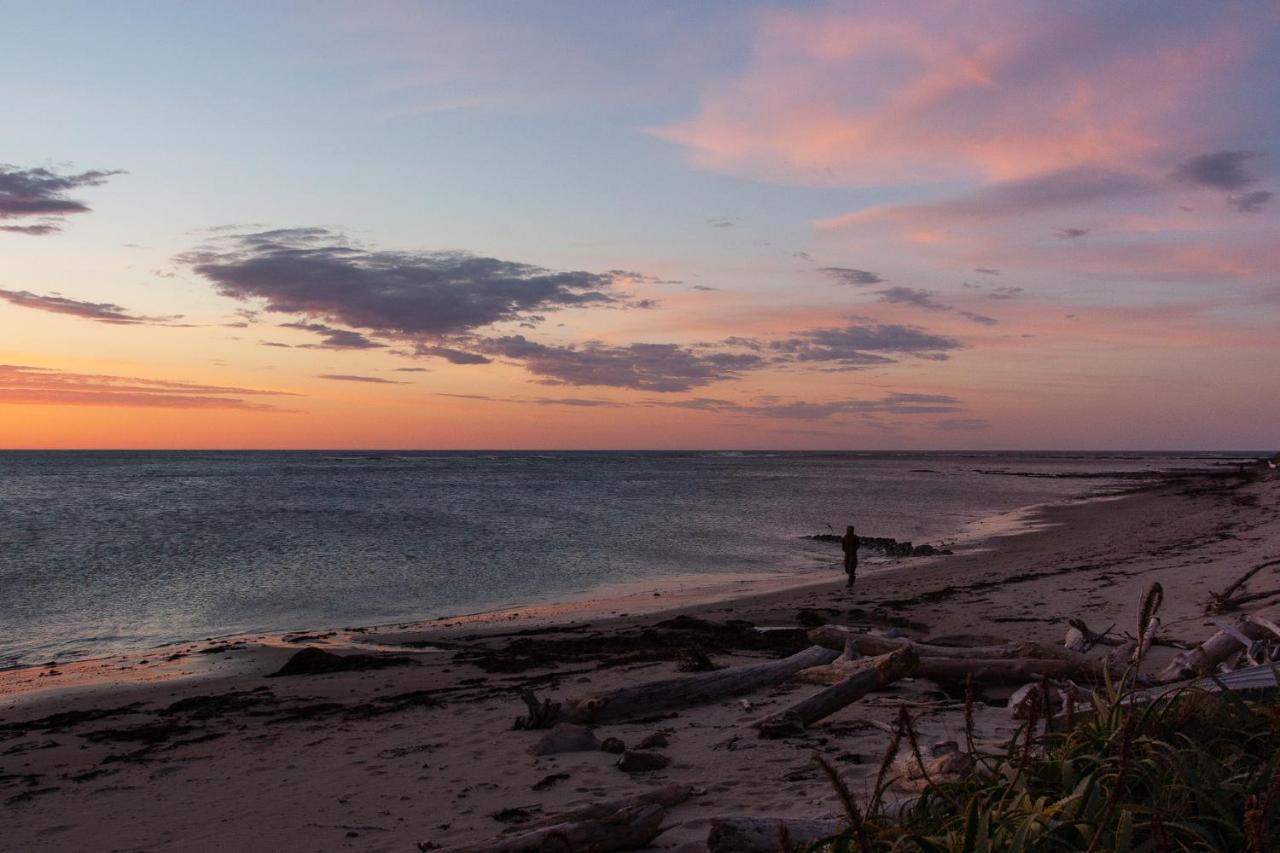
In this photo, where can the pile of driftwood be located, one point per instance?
(851, 664)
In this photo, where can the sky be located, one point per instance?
(582, 225)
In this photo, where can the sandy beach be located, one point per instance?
(193, 748)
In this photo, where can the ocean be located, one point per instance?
(106, 551)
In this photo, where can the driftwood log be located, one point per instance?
(668, 796)
(1205, 658)
(1008, 663)
(764, 834)
(631, 828)
(624, 824)
(837, 637)
(658, 697)
(879, 671)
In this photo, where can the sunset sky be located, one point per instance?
(1022, 225)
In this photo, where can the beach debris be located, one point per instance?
(742, 834)
(657, 697)
(1233, 598)
(667, 796)
(886, 545)
(549, 781)
(313, 661)
(1041, 699)
(516, 814)
(1008, 663)
(542, 715)
(1080, 638)
(629, 823)
(657, 740)
(694, 659)
(642, 762)
(807, 617)
(1205, 658)
(913, 772)
(613, 745)
(566, 737)
(630, 828)
(873, 674)
(843, 639)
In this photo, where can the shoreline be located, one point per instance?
(384, 758)
(677, 591)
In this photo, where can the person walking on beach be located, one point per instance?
(849, 544)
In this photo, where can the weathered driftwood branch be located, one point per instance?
(1227, 599)
(1080, 638)
(657, 697)
(1205, 658)
(835, 637)
(763, 834)
(879, 672)
(1010, 670)
(630, 828)
(542, 715)
(1009, 663)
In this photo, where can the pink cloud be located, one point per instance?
(888, 93)
(21, 384)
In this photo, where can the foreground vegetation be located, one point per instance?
(1189, 771)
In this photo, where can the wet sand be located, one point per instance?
(192, 748)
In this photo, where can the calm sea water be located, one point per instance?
(104, 551)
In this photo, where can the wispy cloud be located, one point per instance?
(348, 377)
(21, 384)
(42, 194)
(102, 312)
(849, 275)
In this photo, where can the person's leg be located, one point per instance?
(850, 569)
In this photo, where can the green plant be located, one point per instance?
(1190, 770)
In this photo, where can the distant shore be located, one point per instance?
(380, 759)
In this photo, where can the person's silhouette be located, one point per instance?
(849, 544)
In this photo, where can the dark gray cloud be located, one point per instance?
(1250, 202)
(413, 370)
(102, 312)
(980, 319)
(722, 222)
(1044, 192)
(32, 230)
(1219, 170)
(451, 355)
(1072, 233)
(912, 296)
(347, 377)
(43, 194)
(1229, 172)
(865, 344)
(855, 277)
(334, 338)
(1005, 293)
(987, 270)
(702, 287)
(644, 366)
(320, 275)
